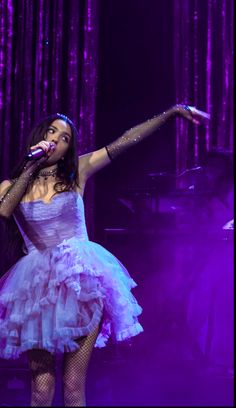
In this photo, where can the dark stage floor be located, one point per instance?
(118, 378)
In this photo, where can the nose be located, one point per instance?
(54, 141)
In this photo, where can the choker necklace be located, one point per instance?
(47, 174)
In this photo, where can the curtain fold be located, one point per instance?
(48, 64)
(203, 59)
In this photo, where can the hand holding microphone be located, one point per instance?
(38, 155)
(41, 149)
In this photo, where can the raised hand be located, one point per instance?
(48, 147)
(35, 163)
(193, 114)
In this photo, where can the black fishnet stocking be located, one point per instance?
(42, 377)
(75, 369)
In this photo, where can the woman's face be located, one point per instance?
(58, 132)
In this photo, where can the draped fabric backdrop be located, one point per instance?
(48, 60)
(48, 64)
(203, 59)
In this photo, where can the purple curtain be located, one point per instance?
(203, 57)
(48, 63)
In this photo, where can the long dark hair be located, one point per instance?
(67, 173)
(67, 170)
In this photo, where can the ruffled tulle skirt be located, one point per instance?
(50, 298)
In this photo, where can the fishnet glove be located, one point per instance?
(14, 194)
(140, 132)
(136, 134)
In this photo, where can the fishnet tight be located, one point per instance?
(42, 377)
(75, 367)
(75, 370)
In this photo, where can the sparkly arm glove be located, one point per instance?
(138, 133)
(14, 194)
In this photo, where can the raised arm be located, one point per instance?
(90, 163)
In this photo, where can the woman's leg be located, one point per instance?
(42, 369)
(75, 369)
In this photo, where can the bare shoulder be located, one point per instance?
(4, 186)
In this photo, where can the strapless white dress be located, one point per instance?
(65, 284)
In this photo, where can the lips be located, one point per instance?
(52, 146)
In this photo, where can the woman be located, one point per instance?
(68, 293)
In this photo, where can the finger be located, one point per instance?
(204, 115)
(200, 113)
(38, 145)
(46, 146)
(50, 146)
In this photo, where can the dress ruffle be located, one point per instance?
(51, 297)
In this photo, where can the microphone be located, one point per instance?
(38, 153)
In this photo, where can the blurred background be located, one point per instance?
(165, 208)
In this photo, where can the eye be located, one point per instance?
(50, 130)
(65, 138)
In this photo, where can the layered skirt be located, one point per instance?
(50, 298)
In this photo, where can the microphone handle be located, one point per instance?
(36, 154)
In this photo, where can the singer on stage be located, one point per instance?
(67, 294)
